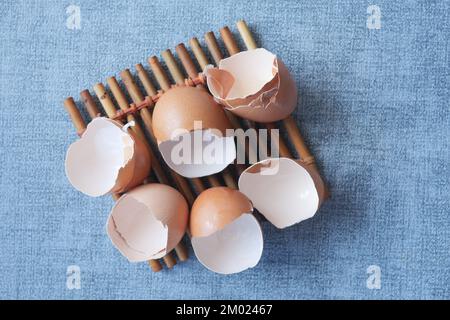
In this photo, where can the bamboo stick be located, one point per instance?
(246, 34)
(160, 75)
(298, 141)
(198, 52)
(186, 61)
(146, 114)
(164, 83)
(90, 104)
(169, 260)
(233, 48)
(229, 41)
(137, 96)
(155, 265)
(289, 123)
(110, 109)
(145, 79)
(121, 100)
(182, 185)
(150, 89)
(189, 66)
(283, 150)
(80, 126)
(105, 100)
(174, 71)
(192, 71)
(178, 76)
(94, 112)
(213, 47)
(123, 104)
(75, 115)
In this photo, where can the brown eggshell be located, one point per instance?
(254, 85)
(168, 205)
(215, 208)
(106, 159)
(141, 163)
(296, 190)
(226, 236)
(184, 113)
(137, 168)
(179, 107)
(148, 222)
(235, 248)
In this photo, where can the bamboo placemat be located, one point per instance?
(140, 108)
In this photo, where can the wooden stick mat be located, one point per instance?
(117, 106)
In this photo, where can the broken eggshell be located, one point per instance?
(226, 237)
(283, 190)
(254, 85)
(148, 222)
(107, 159)
(190, 128)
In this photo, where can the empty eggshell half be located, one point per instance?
(283, 190)
(254, 85)
(190, 128)
(226, 237)
(148, 222)
(106, 159)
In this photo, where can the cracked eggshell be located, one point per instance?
(184, 116)
(106, 159)
(254, 85)
(148, 222)
(284, 191)
(226, 237)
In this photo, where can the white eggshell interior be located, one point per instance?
(282, 190)
(136, 232)
(235, 248)
(207, 155)
(251, 70)
(93, 162)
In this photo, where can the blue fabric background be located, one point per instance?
(374, 109)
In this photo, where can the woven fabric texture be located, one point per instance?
(374, 108)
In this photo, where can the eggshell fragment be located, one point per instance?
(226, 237)
(254, 85)
(106, 159)
(148, 222)
(190, 128)
(285, 191)
(198, 153)
(233, 249)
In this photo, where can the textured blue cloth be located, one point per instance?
(374, 109)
